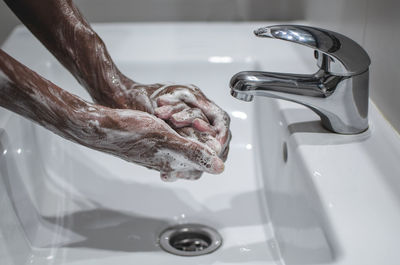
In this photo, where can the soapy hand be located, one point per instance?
(186, 105)
(146, 140)
(182, 106)
(187, 110)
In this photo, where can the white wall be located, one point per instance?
(173, 10)
(375, 25)
(7, 21)
(189, 10)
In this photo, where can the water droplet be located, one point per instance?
(317, 174)
(244, 249)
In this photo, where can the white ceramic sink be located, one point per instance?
(292, 193)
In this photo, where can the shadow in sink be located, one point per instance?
(108, 229)
(307, 127)
(90, 224)
(98, 228)
(311, 132)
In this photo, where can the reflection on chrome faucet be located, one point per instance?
(337, 92)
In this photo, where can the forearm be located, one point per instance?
(28, 94)
(60, 26)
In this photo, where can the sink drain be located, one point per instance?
(190, 240)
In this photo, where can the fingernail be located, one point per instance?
(217, 165)
(168, 177)
(178, 121)
(163, 112)
(176, 117)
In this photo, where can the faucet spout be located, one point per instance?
(284, 86)
(341, 102)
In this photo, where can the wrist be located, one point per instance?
(90, 63)
(86, 123)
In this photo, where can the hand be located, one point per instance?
(186, 105)
(187, 110)
(144, 139)
(180, 105)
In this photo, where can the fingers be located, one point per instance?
(176, 96)
(219, 130)
(204, 159)
(168, 176)
(224, 154)
(218, 118)
(205, 138)
(201, 114)
(222, 127)
(181, 115)
(165, 112)
(179, 153)
(175, 175)
(186, 117)
(213, 144)
(175, 153)
(203, 126)
(191, 175)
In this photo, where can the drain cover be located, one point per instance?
(190, 240)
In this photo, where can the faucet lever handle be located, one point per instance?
(336, 53)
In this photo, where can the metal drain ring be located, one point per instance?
(190, 240)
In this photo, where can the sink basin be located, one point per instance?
(291, 193)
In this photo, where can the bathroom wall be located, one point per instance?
(375, 25)
(173, 10)
(7, 21)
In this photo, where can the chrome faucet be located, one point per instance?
(337, 92)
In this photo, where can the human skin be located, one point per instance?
(132, 135)
(60, 26)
